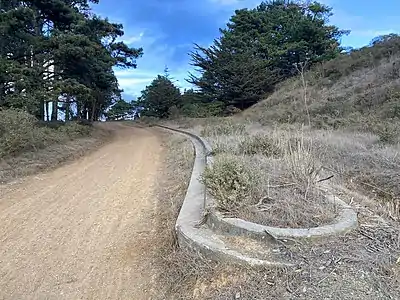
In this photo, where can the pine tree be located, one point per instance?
(59, 48)
(159, 98)
(261, 47)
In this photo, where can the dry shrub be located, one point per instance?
(388, 132)
(270, 178)
(302, 164)
(260, 144)
(21, 132)
(230, 181)
(266, 191)
(74, 130)
(226, 143)
(149, 121)
(28, 146)
(18, 133)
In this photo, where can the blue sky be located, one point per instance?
(167, 29)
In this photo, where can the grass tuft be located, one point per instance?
(259, 144)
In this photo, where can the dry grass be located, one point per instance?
(359, 265)
(366, 99)
(27, 147)
(363, 264)
(177, 269)
(269, 177)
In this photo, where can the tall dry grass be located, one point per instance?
(28, 146)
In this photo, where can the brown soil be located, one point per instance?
(86, 230)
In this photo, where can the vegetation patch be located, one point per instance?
(28, 146)
(21, 132)
(259, 144)
(364, 262)
(231, 182)
(278, 191)
(226, 127)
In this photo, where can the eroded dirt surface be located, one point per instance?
(87, 229)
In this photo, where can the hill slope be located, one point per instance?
(359, 90)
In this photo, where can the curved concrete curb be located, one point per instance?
(202, 240)
(344, 222)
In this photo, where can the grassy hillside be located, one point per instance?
(359, 90)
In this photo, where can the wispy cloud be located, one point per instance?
(133, 39)
(373, 33)
(166, 30)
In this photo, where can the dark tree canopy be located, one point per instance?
(120, 110)
(160, 97)
(59, 53)
(261, 47)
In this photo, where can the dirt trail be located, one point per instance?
(85, 230)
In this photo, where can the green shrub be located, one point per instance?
(150, 121)
(259, 144)
(74, 130)
(20, 132)
(230, 182)
(202, 110)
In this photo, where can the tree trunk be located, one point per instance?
(93, 112)
(54, 112)
(47, 111)
(67, 109)
(78, 110)
(40, 111)
(85, 114)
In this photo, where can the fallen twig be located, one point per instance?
(281, 240)
(377, 188)
(262, 200)
(327, 178)
(327, 276)
(281, 185)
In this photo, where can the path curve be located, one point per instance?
(84, 230)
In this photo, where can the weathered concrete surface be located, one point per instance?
(201, 239)
(344, 222)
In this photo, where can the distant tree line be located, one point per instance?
(258, 49)
(57, 55)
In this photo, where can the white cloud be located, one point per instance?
(133, 38)
(134, 81)
(373, 33)
(134, 86)
(138, 73)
